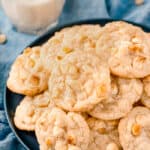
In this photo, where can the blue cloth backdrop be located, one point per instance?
(74, 10)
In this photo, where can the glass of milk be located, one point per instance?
(33, 16)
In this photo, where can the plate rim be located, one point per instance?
(38, 40)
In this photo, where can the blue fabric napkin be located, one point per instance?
(74, 10)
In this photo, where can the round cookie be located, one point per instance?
(134, 130)
(30, 109)
(146, 94)
(124, 93)
(57, 130)
(126, 48)
(78, 37)
(28, 75)
(79, 82)
(103, 134)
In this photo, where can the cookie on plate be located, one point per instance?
(79, 82)
(30, 109)
(58, 130)
(146, 92)
(103, 134)
(75, 38)
(124, 93)
(28, 75)
(134, 130)
(126, 48)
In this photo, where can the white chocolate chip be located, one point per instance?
(136, 129)
(58, 132)
(136, 40)
(112, 146)
(2, 38)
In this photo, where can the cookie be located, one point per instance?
(28, 75)
(146, 92)
(124, 93)
(30, 109)
(79, 82)
(75, 38)
(134, 130)
(126, 48)
(103, 134)
(57, 130)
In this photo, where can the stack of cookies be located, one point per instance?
(86, 88)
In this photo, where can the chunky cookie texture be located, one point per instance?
(126, 48)
(103, 134)
(30, 109)
(59, 130)
(86, 88)
(134, 129)
(79, 82)
(146, 93)
(28, 76)
(75, 38)
(124, 93)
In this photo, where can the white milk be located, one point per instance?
(33, 15)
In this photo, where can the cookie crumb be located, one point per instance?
(139, 2)
(2, 38)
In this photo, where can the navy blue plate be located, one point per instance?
(11, 100)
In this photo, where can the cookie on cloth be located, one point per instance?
(78, 37)
(103, 134)
(28, 75)
(58, 130)
(79, 82)
(126, 48)
(134, 129)
(124, 93)
(30, 109)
